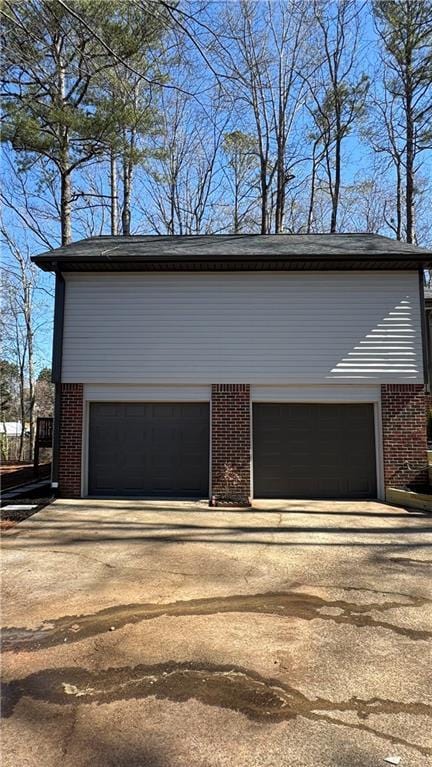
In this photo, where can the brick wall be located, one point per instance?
(404, 435)
(231, 444)
(70, 440)
(404, 439)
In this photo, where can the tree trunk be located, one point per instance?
(280, 173)
(337, 178)
(312, 191)
(63, 164)
(236, 203)
(126, 214)
(264, 199)
(65, 207)
(172, 192)
(127, 183)
(114, 194)
(398, 200)
(28, 319)
(409, 192)
(22, 412)
(280, 202)
(31, 400)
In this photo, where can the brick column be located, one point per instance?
(70, 440)
(428, 403)
(404, 435)
(231, 444)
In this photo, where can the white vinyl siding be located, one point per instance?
(262, 328)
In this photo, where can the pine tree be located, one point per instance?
(53, 59)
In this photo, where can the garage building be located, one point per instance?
(234, 367)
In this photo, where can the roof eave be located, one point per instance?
(187, 263)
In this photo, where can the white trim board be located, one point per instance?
(336, 393)
(146, 393)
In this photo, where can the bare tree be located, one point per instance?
(241, 172)
(336, 90)
(266, 44)
(18, 324)
(119, 109)
(126, 106)
(113, 192)
(382, 130)
(181, 174)
(27, 191)
(316, 159)
(405, 30)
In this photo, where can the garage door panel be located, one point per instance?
(314, 450)
(149, 449)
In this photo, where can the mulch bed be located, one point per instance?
(422, 489)
(10, 518)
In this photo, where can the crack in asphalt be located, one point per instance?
(410, 560)
(70, 732)
(80, 555)
(102, 562)
(72, 628)
(230, 687)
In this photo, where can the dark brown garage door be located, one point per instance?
(314, 451)
(149, 449)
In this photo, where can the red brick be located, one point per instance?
(231, 444)
(71, 421)
(404, 435)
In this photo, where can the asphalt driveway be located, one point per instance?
(146, 634)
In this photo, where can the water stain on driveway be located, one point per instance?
(283, 604)
(235, 688)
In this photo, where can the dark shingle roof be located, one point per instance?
(283, 251)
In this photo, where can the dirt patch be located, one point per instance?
(6, 524)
